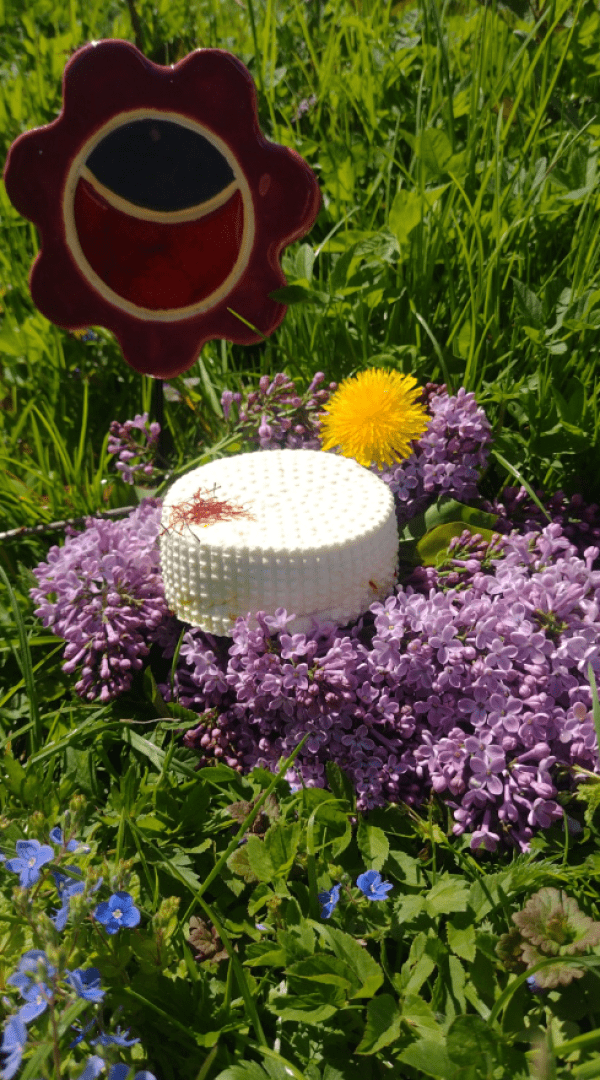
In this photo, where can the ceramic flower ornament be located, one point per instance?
(162, 209)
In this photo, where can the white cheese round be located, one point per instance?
(318, 538)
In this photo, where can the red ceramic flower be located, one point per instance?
(162, 209)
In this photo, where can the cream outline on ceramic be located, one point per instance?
(78, 169)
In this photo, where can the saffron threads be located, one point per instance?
(203, 510)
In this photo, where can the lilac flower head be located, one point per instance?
(135, 442)
(276, 416)
(116, 912)
(103, 593)
(371, 884)
(13, 1045)
(31, 856)
(329, 901)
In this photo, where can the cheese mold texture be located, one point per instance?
(314, 533)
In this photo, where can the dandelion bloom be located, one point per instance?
(374, 417)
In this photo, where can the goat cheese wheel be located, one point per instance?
(315, 533)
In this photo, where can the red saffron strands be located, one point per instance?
(203, 510)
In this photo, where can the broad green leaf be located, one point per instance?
(469, 1037)
(248, 1070)
(418, 1014)
(430, 1057)
(281, 843)
(264, 954)
(260, 859)
(383, 1024)
(528, 305)
(298, 943)
(373, 843)
(434, 149)
(308, 1008)
(461, 940)
(362, 963)
(450, 893)
(436, 541)
(402, 866)
(323, 968)
(409, 908)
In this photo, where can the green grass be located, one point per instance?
(456, 147)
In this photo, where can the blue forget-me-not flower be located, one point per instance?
(328, 901)
(371, 884)
(86, 983)
(31, 855)
(13, 1044)
(119, 910)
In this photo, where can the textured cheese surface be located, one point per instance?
(320, 540)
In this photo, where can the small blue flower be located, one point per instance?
(118, 911)
(534, 986)
(67, 888)
(372, 886)
(117, 1039)
(329, 901)
(38, 997)
(30, 986)
(82, 1032)
(86, 983)
(119, 1072)
(56, 837)
(13, 1044)
(94, 1066)
(31, 855)
(26, 973)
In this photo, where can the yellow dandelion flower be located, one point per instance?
(374, 417)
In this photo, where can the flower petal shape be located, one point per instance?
(162, 208)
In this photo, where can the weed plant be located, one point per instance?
(456, 146)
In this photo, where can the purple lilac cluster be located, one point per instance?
(276, 416)
(447, 459)
(103, 593)
(135, 442)
(479, 693)
(471, 679)
(580, 521)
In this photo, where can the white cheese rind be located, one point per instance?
(321, 541)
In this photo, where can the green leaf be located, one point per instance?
(264, 954)
(450, 893)
(436, 541)
(340, 784)
(281, 844)
(428, 1056)
(402, 866)
(323, 968)
(248, 1070)
(383, 1024)
(260, 859)
(445, 510)
(434, 149)
(408, 209)
(462, 940)
(469, 1037)
(528, 304)
(308, 1008)
(373, 844)
(362, 963)
(409, 908)
(418, 1014)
